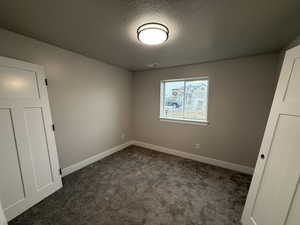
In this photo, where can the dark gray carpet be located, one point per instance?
(142, 187)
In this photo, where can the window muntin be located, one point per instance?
(184, 99)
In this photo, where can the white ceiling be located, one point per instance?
(200, 30)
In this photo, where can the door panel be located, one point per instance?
(29, 162)
(16, 83)
(282, 169)
(293, 216)
(38, 147)
(292, 92)
(12, 187)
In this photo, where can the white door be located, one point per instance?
(2, 217)
(29, 169)
(274, 196)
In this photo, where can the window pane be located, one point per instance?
(196, 100)
(173, 99)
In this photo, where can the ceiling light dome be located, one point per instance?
(153, 33)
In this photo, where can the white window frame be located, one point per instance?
(182, 120)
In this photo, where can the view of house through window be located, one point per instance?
(184, 99)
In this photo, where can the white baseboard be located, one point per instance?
(203, 159)
(95, 158)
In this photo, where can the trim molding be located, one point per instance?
(227, 165)
(77, 166)
(203, 159)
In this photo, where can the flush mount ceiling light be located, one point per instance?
(153, 33)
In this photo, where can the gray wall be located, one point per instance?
(241, 93)
(91, 103)
(90, 100)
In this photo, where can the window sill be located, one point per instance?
(183, 121)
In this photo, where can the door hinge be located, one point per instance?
(60, 171)
(46, 82)
(53, 127)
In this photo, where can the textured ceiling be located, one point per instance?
(200, 30)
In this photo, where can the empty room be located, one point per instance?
(150, 112)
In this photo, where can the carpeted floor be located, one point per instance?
(142, 187)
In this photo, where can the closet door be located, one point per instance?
(29, 169)
(274, 196)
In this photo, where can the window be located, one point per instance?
(184, 99)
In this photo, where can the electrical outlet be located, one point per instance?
(123, 136)
(197, 146)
